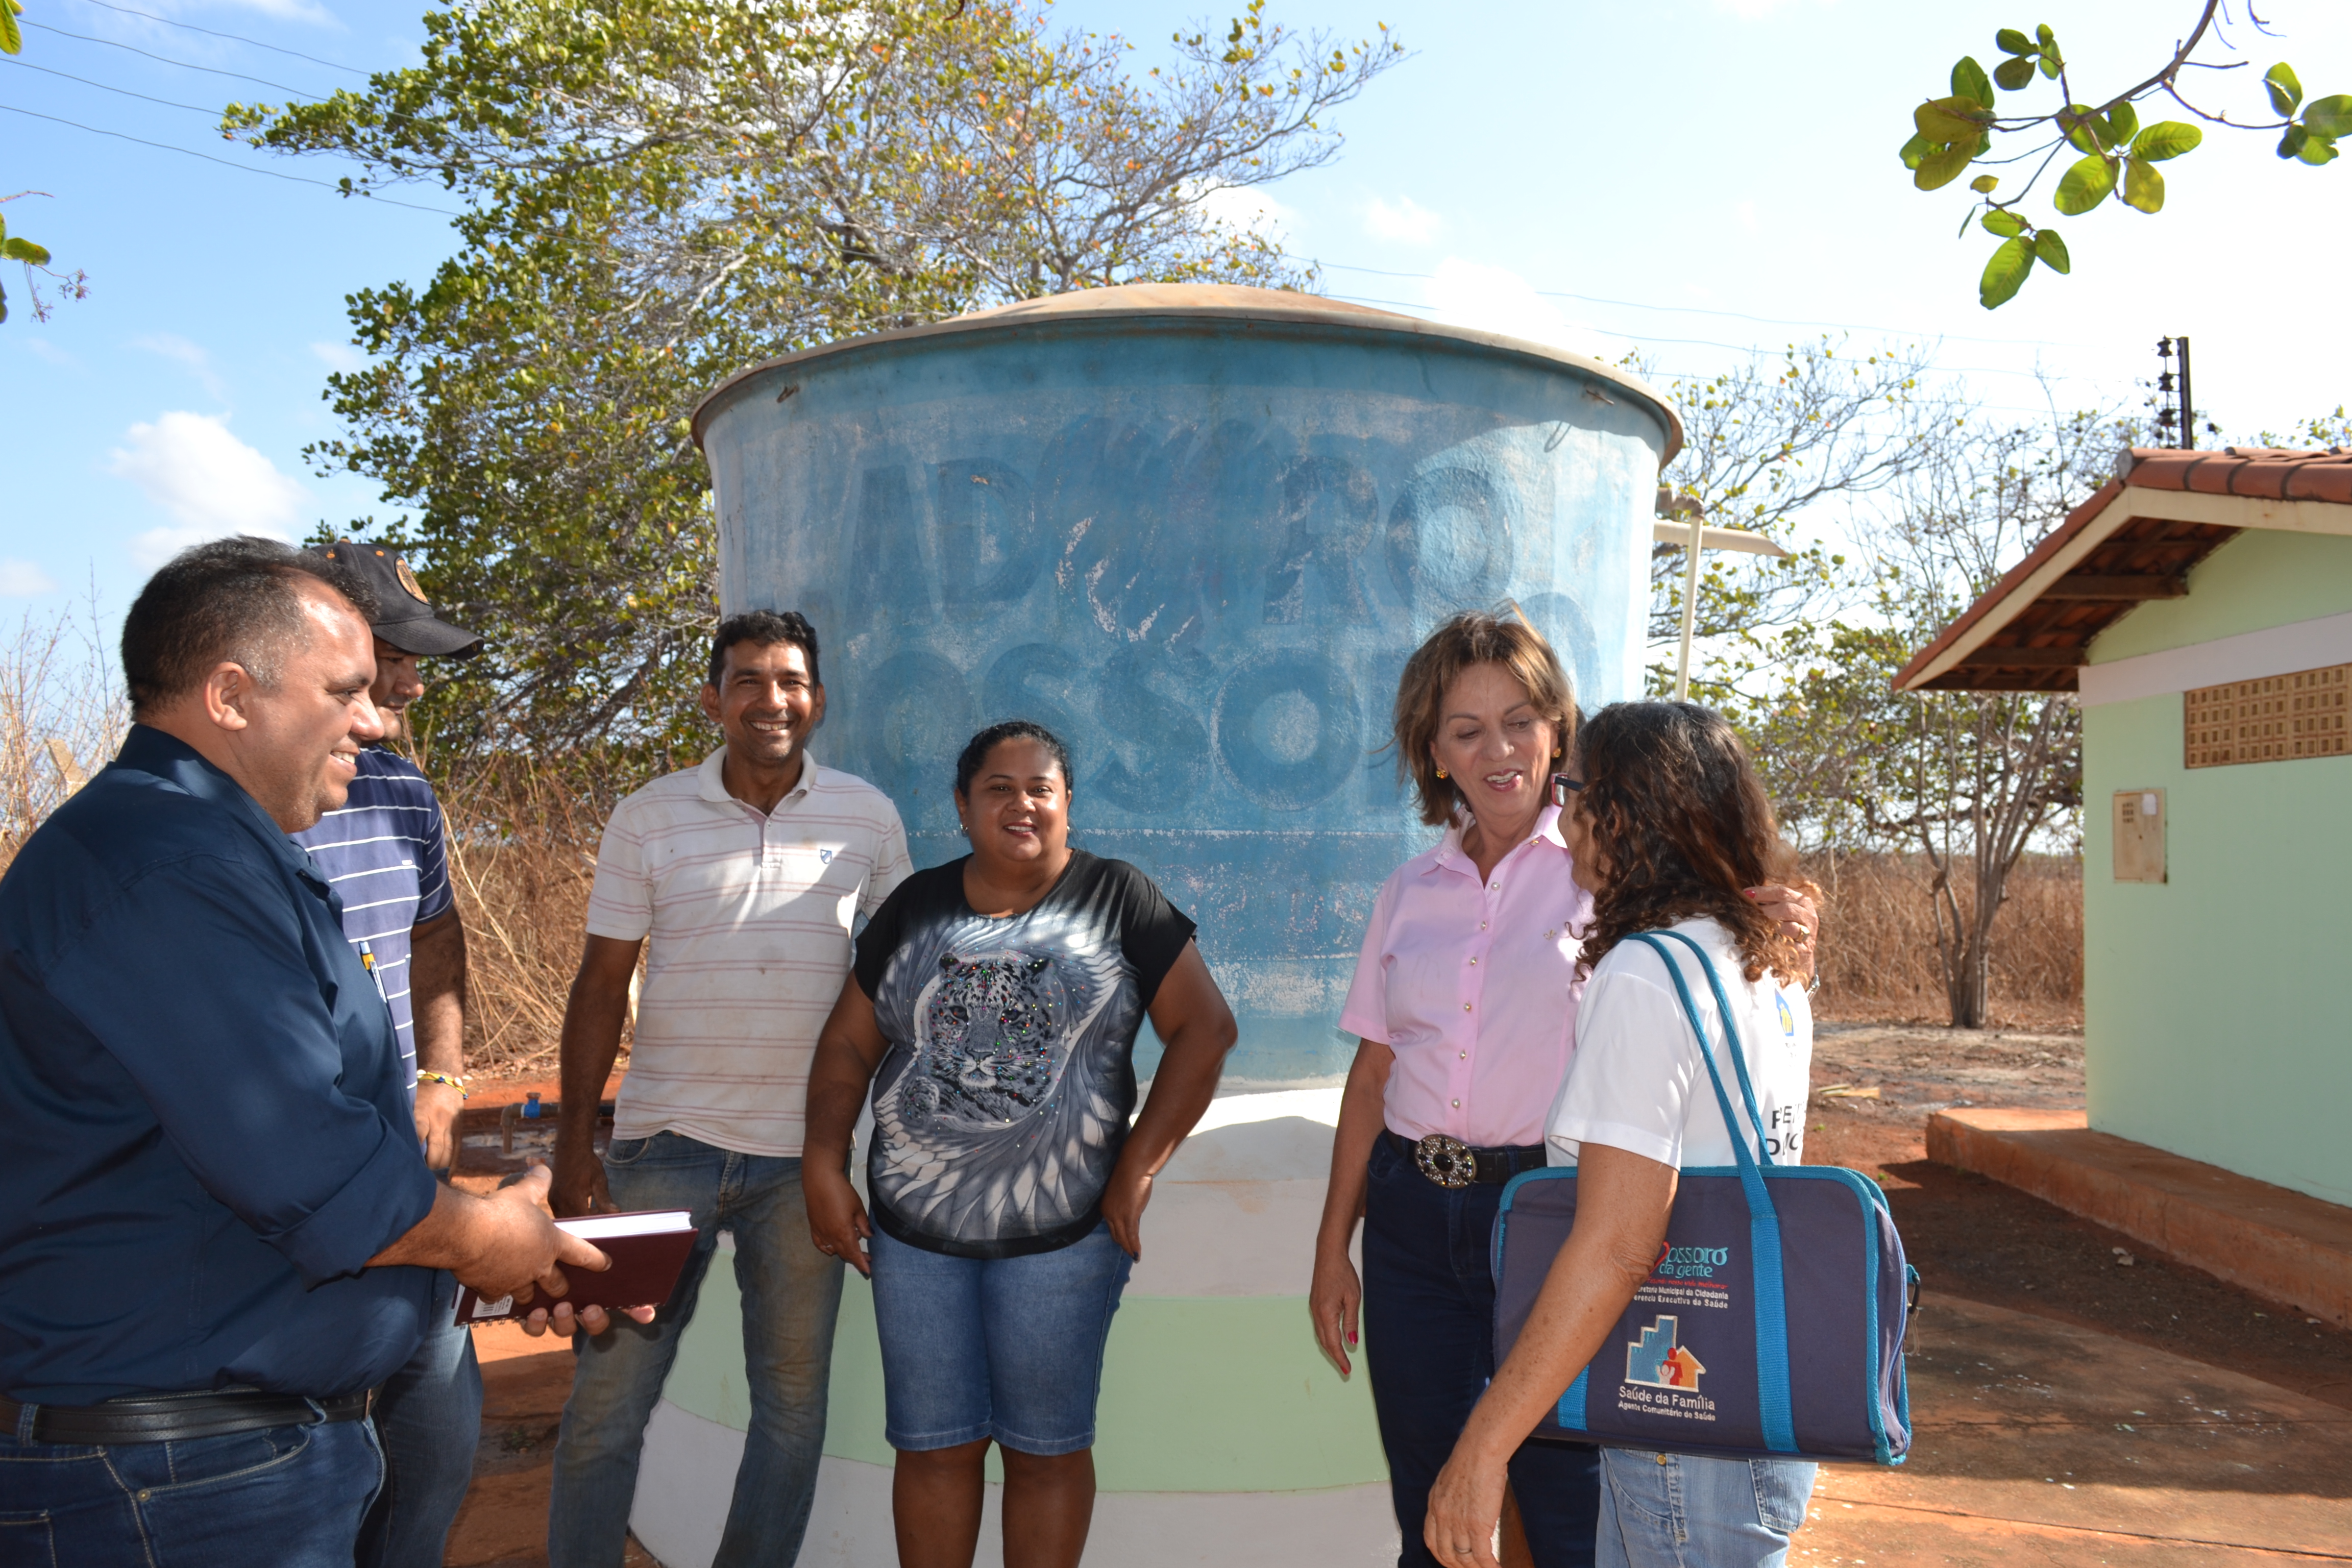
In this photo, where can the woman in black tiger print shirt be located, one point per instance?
(993, 1009)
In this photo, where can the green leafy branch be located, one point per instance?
(2119, 154)
(16, 247)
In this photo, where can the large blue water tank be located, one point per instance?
(1196, 530)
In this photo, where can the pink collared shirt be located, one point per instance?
(1474, 987)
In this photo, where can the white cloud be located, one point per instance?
(22, 579)
(1401, 219)
(1246, 207)
(41, 348)
(339, 356)
(210, 482)
(171, 346)
(1496, 300)
(1757, 10)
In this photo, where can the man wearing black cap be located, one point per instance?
(385, 852)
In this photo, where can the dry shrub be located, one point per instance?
(1878, 946)
(522, 855)
(62, 718)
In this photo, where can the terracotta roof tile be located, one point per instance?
(2051, 545)
(2138, 548)
(2272, 473)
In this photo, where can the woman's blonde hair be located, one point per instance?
(1472, 637)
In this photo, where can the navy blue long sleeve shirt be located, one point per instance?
(203, 1135)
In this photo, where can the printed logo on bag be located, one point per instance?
(1659, 1361)
(1684, 1278)
(1688, 1262)
(1788, 1019)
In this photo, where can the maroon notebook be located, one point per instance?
(648, 1247)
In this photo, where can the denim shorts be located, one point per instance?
(1009, 1348)
(1672, 1510)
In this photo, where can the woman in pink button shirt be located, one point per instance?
(1464, 998)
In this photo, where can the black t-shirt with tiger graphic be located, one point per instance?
(1005, 1096)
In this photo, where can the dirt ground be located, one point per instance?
(1980, 1241)
(2077, 1400)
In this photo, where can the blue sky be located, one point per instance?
(1697, 178)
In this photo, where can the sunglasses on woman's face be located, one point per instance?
(1562, 788)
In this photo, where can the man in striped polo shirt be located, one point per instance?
(384, 854)
(739, 879)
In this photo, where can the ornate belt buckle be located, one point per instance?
(1446, 1161)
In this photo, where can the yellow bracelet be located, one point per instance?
(456, 1083)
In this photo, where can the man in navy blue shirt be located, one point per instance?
(385, 853)
(219, 1234)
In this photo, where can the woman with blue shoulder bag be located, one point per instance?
(1465, 1000)
(1667, 829)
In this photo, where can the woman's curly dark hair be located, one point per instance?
(1680, 828)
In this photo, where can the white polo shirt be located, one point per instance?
(749, 919)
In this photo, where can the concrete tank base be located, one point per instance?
(1223, 1437)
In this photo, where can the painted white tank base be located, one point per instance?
(673, 1520)
(1224, 1435)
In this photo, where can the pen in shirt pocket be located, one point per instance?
(367, 962)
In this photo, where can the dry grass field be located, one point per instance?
(1878, 947)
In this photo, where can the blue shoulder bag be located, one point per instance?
(1771, 1325)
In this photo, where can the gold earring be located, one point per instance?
(1556, 751)
(1441, 772)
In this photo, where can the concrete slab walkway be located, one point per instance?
(2048, 1443)
(2292, 1247)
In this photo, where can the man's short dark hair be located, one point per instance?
(765, 628)
(234, 600)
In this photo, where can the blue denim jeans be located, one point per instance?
(429, 1417)
(1680, 1510)
(791, 1293)
(289, 1497)
(1009, 1348)
(1429, 1345)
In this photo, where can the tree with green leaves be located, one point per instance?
(14, 247)
(1963, 784)
(1818, 429)
(657, 195)
(2114, 153)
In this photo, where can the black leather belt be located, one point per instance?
(178, 1417)
(1451, 1162)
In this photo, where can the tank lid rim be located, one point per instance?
(1309, 311)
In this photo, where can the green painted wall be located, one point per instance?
(2261, 578)
(1200, 1393)
(2215, 1020)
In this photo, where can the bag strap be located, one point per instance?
(1763, 1221)
(1731, 1038)
(1746, 1162)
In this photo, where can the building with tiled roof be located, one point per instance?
(2201, 605)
